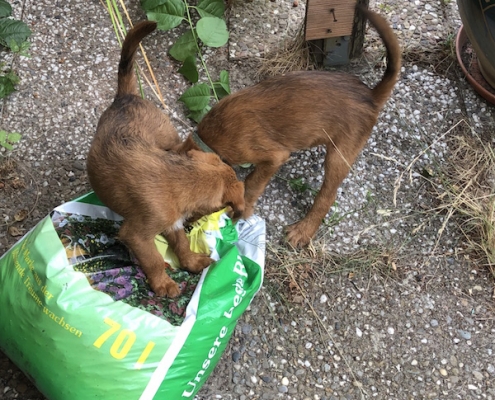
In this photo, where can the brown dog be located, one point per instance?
(133, 171)
(263, 124)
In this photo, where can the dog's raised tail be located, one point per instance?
(127, 83)
(382, 91)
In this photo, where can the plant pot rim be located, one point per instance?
(460, 40)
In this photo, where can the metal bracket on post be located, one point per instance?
(336, 51)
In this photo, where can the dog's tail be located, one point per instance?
(382, 91)
(127, 83)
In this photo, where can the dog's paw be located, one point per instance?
(197, 263)
(166, 287)
(298, 234)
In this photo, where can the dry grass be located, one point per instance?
(293, 55)
(438, 55)
(467, 195)
(289, 273)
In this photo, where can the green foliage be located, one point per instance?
(12, 32)
(196, 97)
(189, 69)
(209, 30)
(5, 9)
(7, 139)
(8, 80)
(13, 37)
(298, 185)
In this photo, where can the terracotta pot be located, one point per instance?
(478, 18)
(473, 73)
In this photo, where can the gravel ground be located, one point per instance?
(420, 327)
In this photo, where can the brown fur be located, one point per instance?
(264, 123)
(133, 171)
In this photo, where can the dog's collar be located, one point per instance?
(202, 145)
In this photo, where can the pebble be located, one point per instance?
(464, 334)
(283, 389)
(478, 375)
(79, 165)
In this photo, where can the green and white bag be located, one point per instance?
(77, 316)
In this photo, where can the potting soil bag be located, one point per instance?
(78, 317)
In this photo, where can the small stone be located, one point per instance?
(285, 381)
(453, 360)
(236, 356)
(359, 333)
(78, 165)
(464, 334)
(478, 375)
(323, 298)
(283, 389)
(434, 323)
(443, 372)
(246, 329)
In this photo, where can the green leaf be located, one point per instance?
(167, 15)
(189, 69)
(197, 97)
(211, 8)
(13, 30)
(184, 47)
(298, 185)
(13, 137)
(197, 116)
(7, 84)
(7, 139)
(212, 31)
(5, 9)
(222, 88)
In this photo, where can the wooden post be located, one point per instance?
(334, 30)
(358, 31)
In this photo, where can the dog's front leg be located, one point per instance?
(149, 258)
(257, 180)
(192, 262)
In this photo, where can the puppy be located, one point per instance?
(263, 124)
(133, 171)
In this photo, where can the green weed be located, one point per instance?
(7, 139)
(210, 30)
(13, 37)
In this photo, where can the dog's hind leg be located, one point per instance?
(255, 183)
(192, 262)
(337, 166)
(149, 258)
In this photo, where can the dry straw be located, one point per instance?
(468, 193)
